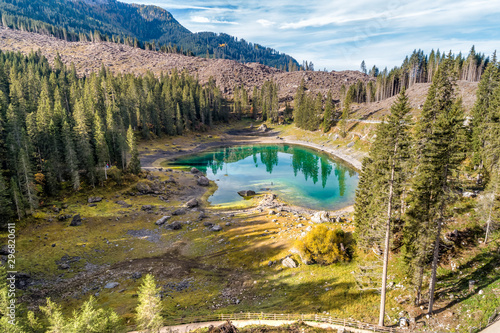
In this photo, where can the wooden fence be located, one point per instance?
(347, 323)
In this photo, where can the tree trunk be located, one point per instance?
(387, 241)
(435, 256)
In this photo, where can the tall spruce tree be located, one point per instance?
(383, 175)
(440, 141)
(134, 165)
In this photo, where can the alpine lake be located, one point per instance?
(298, 175)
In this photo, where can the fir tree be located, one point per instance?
(134, 165)
(150, 306)
(439, 149)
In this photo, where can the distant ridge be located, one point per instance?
(132, 24)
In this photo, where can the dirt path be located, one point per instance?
(242, 323)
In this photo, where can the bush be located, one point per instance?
(325, 246)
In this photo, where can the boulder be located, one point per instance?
(202, 216)
(136, 275)
(203, 181)
(76, 221)
(123, 204)
(192, 203)
(174, 226)
(94, 199)
(22, 280)
(289, 263)
(263, 128)
(208, 224)
(179, 211)
(4, 250)
(195, 171)
(246, 193)
(162, 220)
(111, 285)
(469, 195)
(216, 228)
(320, 217)
(143, 188)
(147, 207)
(350, 144)
(64, 217)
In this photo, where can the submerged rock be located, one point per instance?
(246, 193)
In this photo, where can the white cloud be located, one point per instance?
(339, 34)
(266, 23)
(199, 19)
(203, 19)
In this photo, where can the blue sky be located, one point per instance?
(338, 35)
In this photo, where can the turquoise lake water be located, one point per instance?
(298, 175)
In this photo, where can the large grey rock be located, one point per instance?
(123, 204)
(192, 203)
(147, 207)
(174, 226)
(143, 188)
(320, 217)
(195, 171)
(76, 221)
(111, 285)
(289, 262)
(94, 199)
(246, 193)
(203, 181)
(216, 228)
(179, 211)
(4, 250)
(263, 128)
(162, 220)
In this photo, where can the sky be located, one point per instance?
(339, 35)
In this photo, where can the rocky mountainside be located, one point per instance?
(89, 57)
(144, 26)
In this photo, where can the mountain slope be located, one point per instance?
(88, 57)
(79, 20)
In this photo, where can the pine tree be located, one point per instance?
(439, 149)
(134, 165)
(150, 306)
(5, 202)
